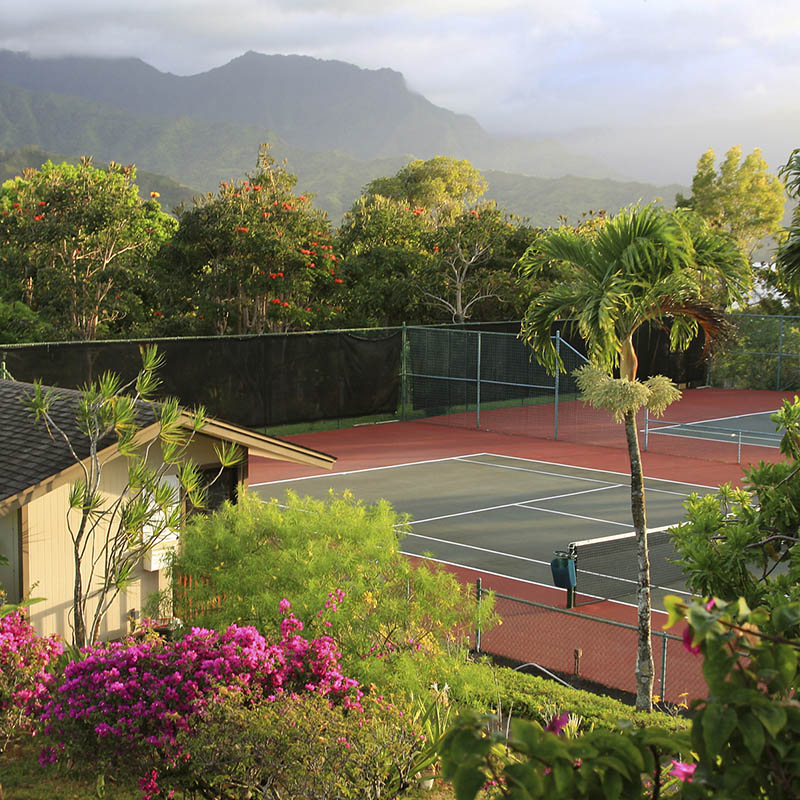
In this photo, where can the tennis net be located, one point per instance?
(607, 567)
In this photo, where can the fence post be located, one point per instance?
(478, 386)
(663, 664)
(403, 373)
(646, 428)
(556, 386)
(739, 449)
(780, 357)
(478, 593)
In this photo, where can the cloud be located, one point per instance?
(525, 66)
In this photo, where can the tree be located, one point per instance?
(643, 264)
(789, 253)
(745, 542)
(112, 532)
(464, 269)
(255, 257)
(75, 244)
(443, 186)
(742, 199)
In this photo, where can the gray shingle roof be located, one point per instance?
(28, 452)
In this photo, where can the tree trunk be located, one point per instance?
(79, 623)
(644, 651)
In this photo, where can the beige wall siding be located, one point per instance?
(47, 544)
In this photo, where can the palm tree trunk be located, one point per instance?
(644, 651)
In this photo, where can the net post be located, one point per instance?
(478, 385)
(663, 664)
(556, 386)
(478, 594)
(403, 373)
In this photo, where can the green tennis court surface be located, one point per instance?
(505, 515)
(747, 429)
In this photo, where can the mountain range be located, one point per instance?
(337, 126)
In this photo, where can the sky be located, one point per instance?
(603, 74)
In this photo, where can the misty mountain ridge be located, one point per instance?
(310, 103)
(337, 125)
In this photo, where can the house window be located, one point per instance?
(225, 487)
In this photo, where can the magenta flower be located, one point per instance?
(682, 771)
(688, 637)
(557, 724)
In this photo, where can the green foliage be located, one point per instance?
(482, 687)
(746, 735)
(77, 242)
(111, 533)
(300, 746)
(19, 323)
(536, 762)
(237, 564)
(789, 253)
(444, 186)
(742, 200)
(255, 257)
(643, 264)
(744, 542)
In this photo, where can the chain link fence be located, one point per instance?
(582, 650)
(763, 354)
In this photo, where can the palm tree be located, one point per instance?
(644, 264)
(789, 253)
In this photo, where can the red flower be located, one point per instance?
(302, 197)
(242, 229)
(38, 217)
(312, 264)
(338, 280)
(257, 188)
(306, 252)
(279, 274)
(275, 300)
(286, 305)
(265, 215)
(42, 202)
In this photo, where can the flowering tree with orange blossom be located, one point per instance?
(255, 257)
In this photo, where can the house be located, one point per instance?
(37, 469)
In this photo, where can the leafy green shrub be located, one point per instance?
(301, 747)
(236, 565)
(479, 686)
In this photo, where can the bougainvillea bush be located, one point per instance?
(24, 659)
(130, 707)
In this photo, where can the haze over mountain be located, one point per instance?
(337, 125)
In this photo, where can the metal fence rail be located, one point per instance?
(579, 646)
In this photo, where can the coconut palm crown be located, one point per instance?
(644, 264)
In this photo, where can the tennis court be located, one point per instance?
(505, 516)
(755, 429)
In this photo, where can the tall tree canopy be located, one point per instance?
(741, 199)
(76, 243)
(643, 264)
(444, 186)
(789, 253)
(256, 257)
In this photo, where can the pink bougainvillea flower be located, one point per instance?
(688, 637)
(682, 770)
(557, 724)
(710, 604)
(284, 604)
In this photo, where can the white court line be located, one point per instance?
(480, 549)
(534, 471)
(523, 504)
(523, 580)
(368, 469)
(589, 469)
